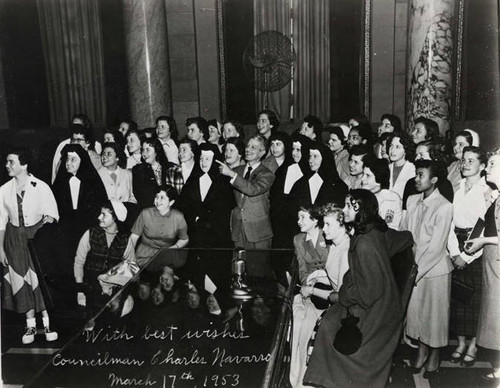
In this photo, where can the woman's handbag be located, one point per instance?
(348, 338)
(118, 275)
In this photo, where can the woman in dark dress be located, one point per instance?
(207, 201)
(320, 184)
(282, 211)
(369, 292)
(79, 193)
(150, 174)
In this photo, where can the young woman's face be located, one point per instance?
(332, 228)
(460, 143)
(162, 202)
(493, 170)
(231, 154)
(369, 182)
(214, 134)
(396, 150)
(335, 143)
(163, 130)
(315, 160)
(148, 153)
(109, 158)
(471, 165)
(419, 133)
(307, 131)
(296, 151)
(229, 130)
(133, 143)
(73, 162)
(106, 218)
(385, 127)
(422, 153)
(350, 210)
(354, 138)
(277, 148)
(206, 160)
(305, 222)
(108, 138)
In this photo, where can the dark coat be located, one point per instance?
(370, 292)
(330, 191)
(91, 196)
(208, 220)
(144, 183)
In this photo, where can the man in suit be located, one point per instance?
(250, 220)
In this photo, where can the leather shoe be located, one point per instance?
(468, 363)
(456, 357)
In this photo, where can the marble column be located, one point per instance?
(430, 60)
(147, 60)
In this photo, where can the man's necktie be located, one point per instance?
(248, 173)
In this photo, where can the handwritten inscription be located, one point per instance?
(117, 381)
(171, 359)
(105, 360)
(221, 358)
(215, 334)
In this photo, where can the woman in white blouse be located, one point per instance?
(26, 203)
(401, 151)
(469, 204)
(117, 181)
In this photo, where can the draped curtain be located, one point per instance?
(72, 45)
(312, 65)
(311, 40)
(273, 15)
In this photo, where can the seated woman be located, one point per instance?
(134, 148)
(369, 292)
(117, 181)
(79, 191)
(207, 201)
(151, 173)
(159, 227)
(376, 179)
(102, 247)
(317, 264)
(234, 152)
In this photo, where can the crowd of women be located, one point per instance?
(346, 199)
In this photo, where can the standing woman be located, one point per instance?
(26, 203)
(466, 138)
(150, 174)
(117, 180)
(401, 151)
(320, 184)
(234, 152)
(282, 211)
(488, 333)
(79, 192)
(369, 292)
(207, 201)
(469, 204)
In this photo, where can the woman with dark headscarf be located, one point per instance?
(320, 184)
(79, 192)
(207, 201)
(369, 292)
(287, 175)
